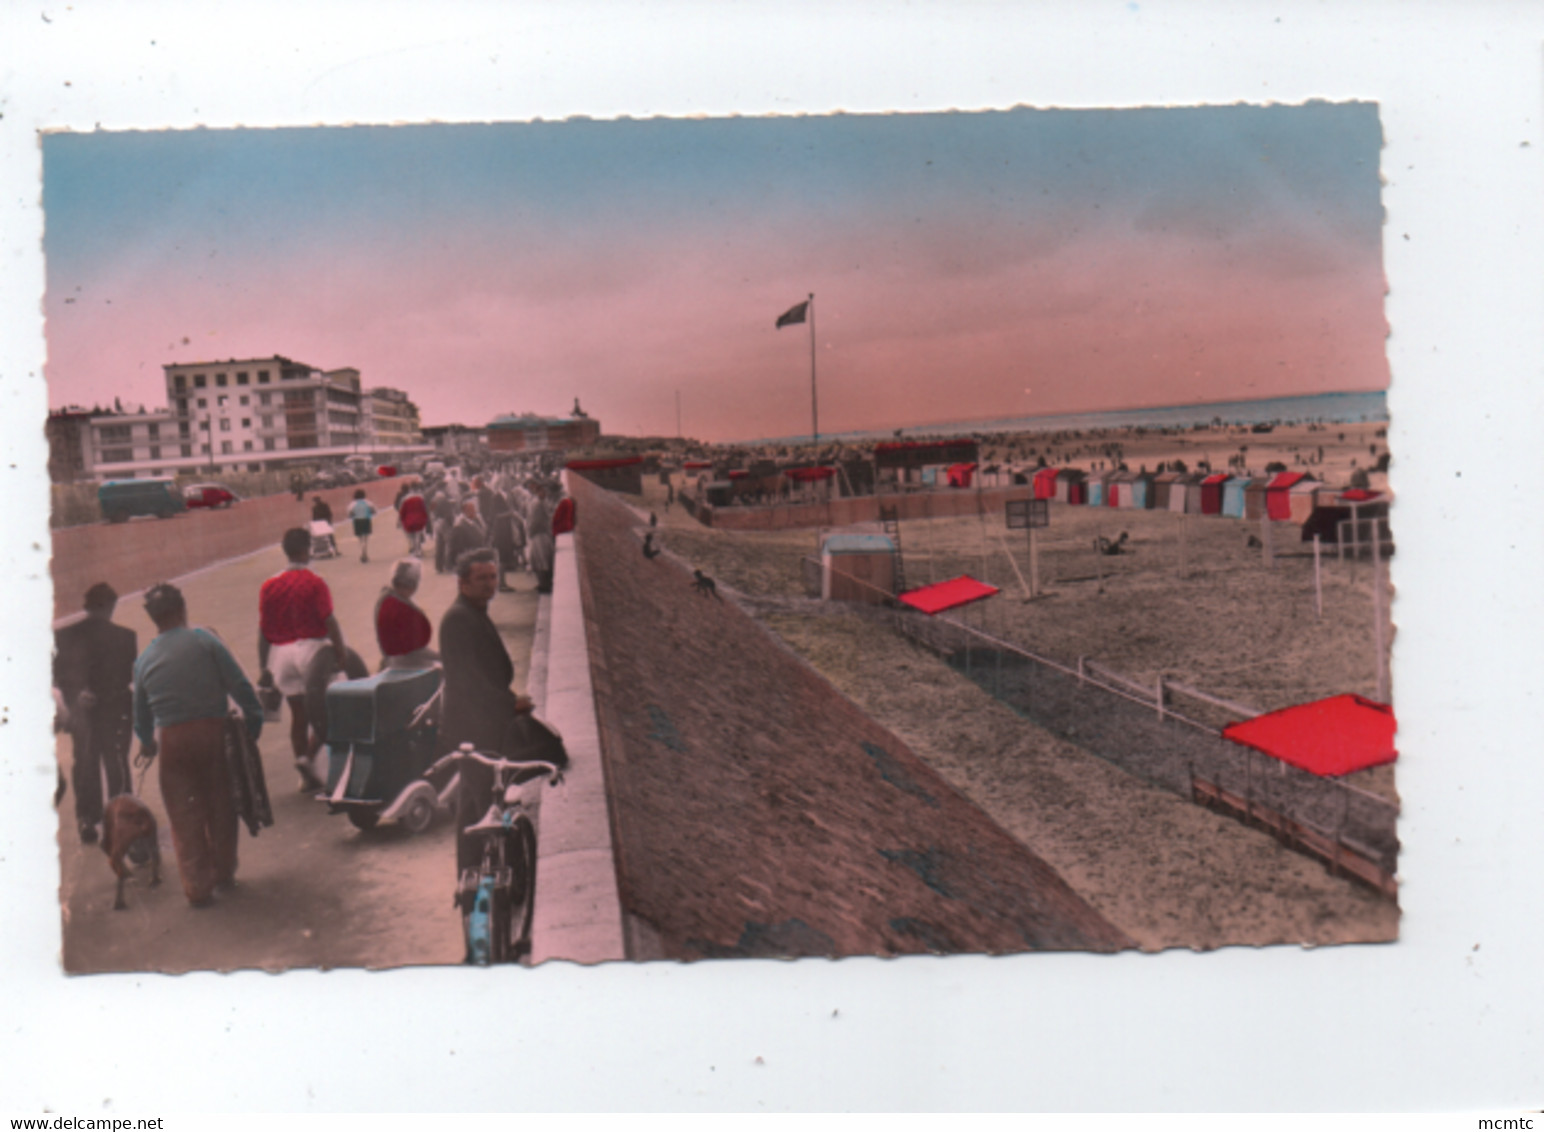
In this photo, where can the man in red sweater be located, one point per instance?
(295, 621)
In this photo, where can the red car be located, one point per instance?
(209, 495)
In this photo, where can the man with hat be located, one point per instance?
(183, 683)
(93, 667)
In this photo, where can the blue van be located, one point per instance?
(121, 500)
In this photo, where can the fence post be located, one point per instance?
(1377, 615)
(1318, 582)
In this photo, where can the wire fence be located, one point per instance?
(1165, 733)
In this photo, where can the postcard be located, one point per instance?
(872, 534)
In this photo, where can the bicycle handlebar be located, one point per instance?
(467, 752)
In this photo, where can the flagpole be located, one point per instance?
(814, 403)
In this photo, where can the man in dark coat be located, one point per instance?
(479, 705)
(93, 670)
(469, 533)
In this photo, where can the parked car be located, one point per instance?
(210, 495)
(121, 500)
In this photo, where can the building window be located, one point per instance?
(225, 424)
(182, 406)
(198, 381)
(179, 383)
(268, 445)
(241, 379)
(263, 399)
(254, 467)
(262, 377)
(222, 400)
(119, 433)
(155, 431)
(225, 448)
(155, 453)
(117, 455)
(267, 422)
(246, 422)
(203, 449)
(219, 379)
(187, 450)
(246, 446)
(182, 428)
(245, 400)
(203, 403)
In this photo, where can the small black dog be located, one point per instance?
(705, 585)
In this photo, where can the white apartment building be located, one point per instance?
(251, 415)
(390, 418)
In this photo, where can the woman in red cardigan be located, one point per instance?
(402, 629)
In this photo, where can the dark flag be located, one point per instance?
(792, 315)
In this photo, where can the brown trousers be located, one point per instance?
(196, 790)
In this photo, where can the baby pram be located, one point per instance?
(323, 544)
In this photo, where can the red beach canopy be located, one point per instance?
(603, 465)
(806, 475)
(695, 465)
(1326, 737)
(947, 595)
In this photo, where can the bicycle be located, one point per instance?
(498, 898)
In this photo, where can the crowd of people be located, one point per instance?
(175, 696)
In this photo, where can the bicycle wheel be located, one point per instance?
(481, 907)
(521, 907)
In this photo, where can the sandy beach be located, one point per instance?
(1192, 601)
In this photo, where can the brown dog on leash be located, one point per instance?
(129, 830)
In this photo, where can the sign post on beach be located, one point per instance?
(1027, 515)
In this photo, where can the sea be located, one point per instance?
(1328, 408)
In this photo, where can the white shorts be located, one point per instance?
(290, 663)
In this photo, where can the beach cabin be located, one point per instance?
(1300, 500)
(1277, 505)
(1163, 484)
(1179, 492)
(1233, 496)
(857, 567)
(1072, 486)
(1142, 491)
(1255, 499)
(1211, 493)
(1117, 493)
(960, 475)
(1045, 483)
(1096, 485)
(1193, 493)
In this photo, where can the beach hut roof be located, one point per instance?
(947, 595)
(1286, 479)
(1167, 477)
(1327, 737)
(1071, 474)
(1220, 477)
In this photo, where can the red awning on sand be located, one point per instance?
(1326, 737)
(1359, 495)
(947, 595)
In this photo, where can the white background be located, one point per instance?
(1452, 1017)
